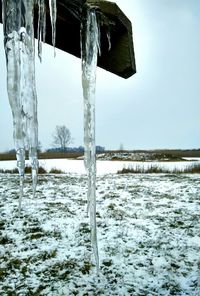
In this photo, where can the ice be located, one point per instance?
(53, 14)
(20, 59)
(18, 21)
(41, 34)
(109, 40)
(90, 46)
(20, 154)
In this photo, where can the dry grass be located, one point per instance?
(156, 169)
(56, 171)
(41, 171)
(6, 171)
(28, 169)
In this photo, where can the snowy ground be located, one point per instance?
(148, 231)
(103, 166)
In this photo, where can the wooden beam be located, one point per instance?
(120, 59)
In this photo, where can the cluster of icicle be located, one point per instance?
(18, 24)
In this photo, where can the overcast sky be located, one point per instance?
(159, 107)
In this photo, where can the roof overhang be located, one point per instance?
(120, 59)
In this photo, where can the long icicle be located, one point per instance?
(11, 26)
(89, 52)
(53, 15)
(20, 58)
(29, 95)
(41, 33)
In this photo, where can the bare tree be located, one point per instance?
(62, 137)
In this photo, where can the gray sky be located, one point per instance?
(156, 108)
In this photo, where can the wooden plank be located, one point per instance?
(120, 59)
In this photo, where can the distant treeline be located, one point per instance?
(69, 152)
(75, 152)
(74, 149)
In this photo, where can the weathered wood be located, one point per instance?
(120, 59)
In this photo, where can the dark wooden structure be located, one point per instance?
(120, 59)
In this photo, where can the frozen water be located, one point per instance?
(109, 40)
(19, 50)
(90, 46)
(41, 26)
(20, 57)
(53, 13)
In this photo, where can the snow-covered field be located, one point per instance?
(103, 166)
(148, 232)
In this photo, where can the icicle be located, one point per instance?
(20, 154)
(89, 48)
(41, 33)
(20, 57)
(109, 40)
(53, 15)
(28, 89)
(12, 48)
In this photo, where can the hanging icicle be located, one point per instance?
(53, 15)
(18, 20)
(41, 33)
(89, 51)
(19, 50)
